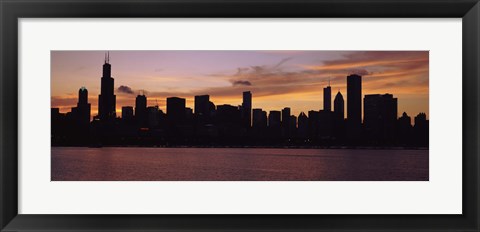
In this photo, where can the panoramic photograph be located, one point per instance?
(239, 115)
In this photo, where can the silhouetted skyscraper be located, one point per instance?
(354, 106)
(286, 112)
(326, 124)
(82, 96)
(274, 119)
(292, 126)
(275, 124)
(313, 124)
(153, 116)
(302, 125)
(176, 110)
(327, 98)
(405, 120)
(421, 129)
(83, 107)
(339, 105)
(404, 129)
(188, 113)
(259, 118)
(421, 120)
(141, 110)
(380, 117)
(228, 114)
(107, 98)
(127, 113)
(247, 109)
(339, 117)
(202, 105)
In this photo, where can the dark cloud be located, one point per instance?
(241, 71)
(240, 82)
(125, 89)
(361, 72)
(282, 62)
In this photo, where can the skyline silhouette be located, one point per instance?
(277, 78)
(208, 124)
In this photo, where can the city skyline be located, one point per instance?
(299, 74)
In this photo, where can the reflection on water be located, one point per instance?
(236, 164)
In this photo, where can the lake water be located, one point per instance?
(236, 164)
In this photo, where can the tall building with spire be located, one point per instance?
(107, 98)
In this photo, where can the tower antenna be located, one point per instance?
(329, 81)
(108, 57)
(105, 58)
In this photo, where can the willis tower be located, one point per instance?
(106, 99)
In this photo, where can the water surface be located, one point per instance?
(236, 164)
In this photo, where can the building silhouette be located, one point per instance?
(238, 125)
(202, 105)
(325, 125)
(313, 125)
(327, 98)
(380, 118)
(229, 122)
(421, 129)
(302, 131)
(188, 114)
(176, 110)
(82, 111)
(153, 116)
(259, 118)
(339, 105)
(247, 109)
(176, 117)
(339, 117)
(274, 124)
(292, 123)
(107, 98)
(141, 110)
(127, 114)
(404, 130)
(274, 119)
(354, 107)
(286, 112)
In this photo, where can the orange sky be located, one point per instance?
(277, 79)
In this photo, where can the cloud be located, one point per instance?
(240, 82)
(58, 101)
(125, 89)
(361, 72)
(283, 61)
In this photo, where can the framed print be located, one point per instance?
(206, 115)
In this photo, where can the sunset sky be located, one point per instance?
(277, 79)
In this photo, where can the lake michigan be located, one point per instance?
(237, 164)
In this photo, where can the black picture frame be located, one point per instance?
(12, 10)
